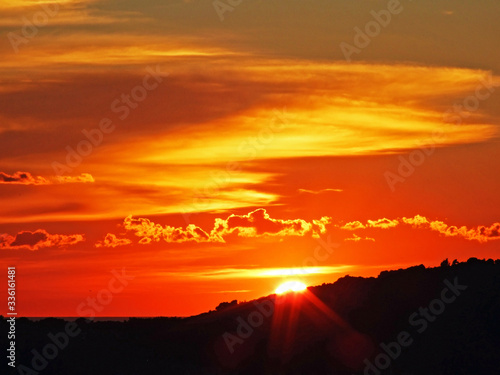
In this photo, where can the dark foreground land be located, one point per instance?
(443, 320)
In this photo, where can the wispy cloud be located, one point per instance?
(62, 13)
(250, 273)
(320, 191)
(356, 238)
(390, 109)
(84, 177)
(233, 291)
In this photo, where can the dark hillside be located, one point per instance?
(442, 320)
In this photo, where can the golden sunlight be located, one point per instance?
(291, 286)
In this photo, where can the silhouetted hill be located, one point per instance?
(442, 320)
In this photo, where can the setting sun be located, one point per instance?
(291, 286)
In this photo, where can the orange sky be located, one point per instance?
(213, 160)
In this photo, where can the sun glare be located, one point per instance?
(291, 286)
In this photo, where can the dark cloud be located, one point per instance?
(37, 240)
(26, 178)
(29, 239)
(22, 178)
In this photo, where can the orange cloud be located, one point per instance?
(37, 240)
(258, 272)
(254, 224)
(61, 13)
(382, 223)
(480, 233)
(319, 191)
(379, 223)
(152, 232)
(416, 221)
(391, 109)
(112, 241)
(84, 177)
(259, 223)
(358, 238)
(353, 225)
(483, 234)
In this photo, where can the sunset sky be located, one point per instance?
(214, 151)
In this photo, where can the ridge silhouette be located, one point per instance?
(442, 320)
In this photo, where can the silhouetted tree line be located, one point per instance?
(225, 305)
